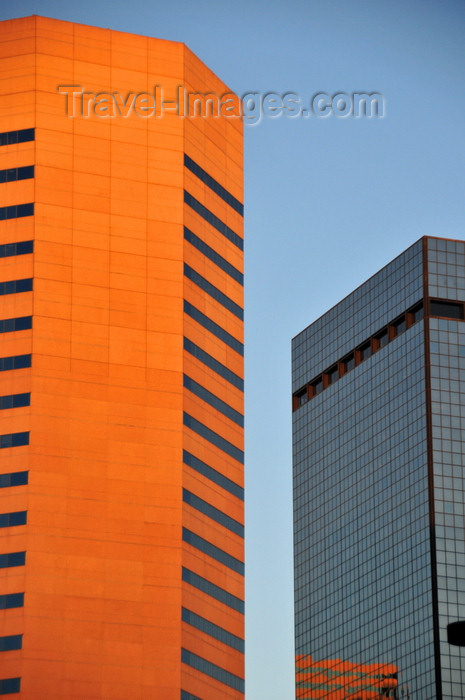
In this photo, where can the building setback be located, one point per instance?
(379, 481)
(121, 371)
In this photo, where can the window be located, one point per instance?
(11, 600)
(12, 519)
(16, 286)
(13, 479)
(12, 174)
(349, 362)
(9, 325)
(210, 669)
(12, 559)
(446, 309)
(365, 351)
(14, 440)
(19, 136)
(333, 374)
(13, 641)
(7, 250)
(16, 211)
(382, 338)
(10, 685)
(417, 313)
(15, 362)
(317, 386)
(399, 326)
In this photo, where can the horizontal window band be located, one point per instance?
(8, 250)
(188, 696)
(215, 257)
(16, 211)
(11, 600)
(11, 642)
(16, 286)
(212, 551)
(222, 596)
(213, 291)
(15, 401)
(215, 631)
(213, 184)
(19, 136)
(14, 440)
(214, 513)
(14, 479)
(11, 559)
(8, 686)
(15, 362)
(213, 475)
(213, 401)
(14, 174)
(10, 325)
(212, 670)
(210, 362)
(212, 437)
(213, 327)
(19, 517)
(213, 220)
(362, 352)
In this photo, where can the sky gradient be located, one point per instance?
(327, 203)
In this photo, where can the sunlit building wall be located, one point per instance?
(121, 358)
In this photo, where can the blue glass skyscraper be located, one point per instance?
(379, 482)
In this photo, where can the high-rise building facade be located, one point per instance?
(379, 481)
(121, 288)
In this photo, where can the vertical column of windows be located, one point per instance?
(15, 479)
(209, 514)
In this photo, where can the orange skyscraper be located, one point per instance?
(121, 366)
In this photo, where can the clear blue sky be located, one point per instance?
(328, 202)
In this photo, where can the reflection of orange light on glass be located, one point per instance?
(336, 679)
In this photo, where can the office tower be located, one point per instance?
(379, 456)
(121, 358)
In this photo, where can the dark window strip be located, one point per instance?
(202, 584)
(12, 559)
(19, 136)
(214, 185)
(212, 255)
(214, 328)
(359, 354)
(15, 401)
(213, 438)
(212, 670)
(19, 517)
(16, 286)
(9, 325)
(8, 250)
(16, 211)
(213, 513)
(11, 600)
(215, 631)
(10, 685)
(213, 364)
(213, 291)
(188, 696)
(220, 226)
(213, 475)
(211, 550)
(14, 440)
(214, 401)
(11, 642)
(13, 479)
(13, 174)
(15, 362)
